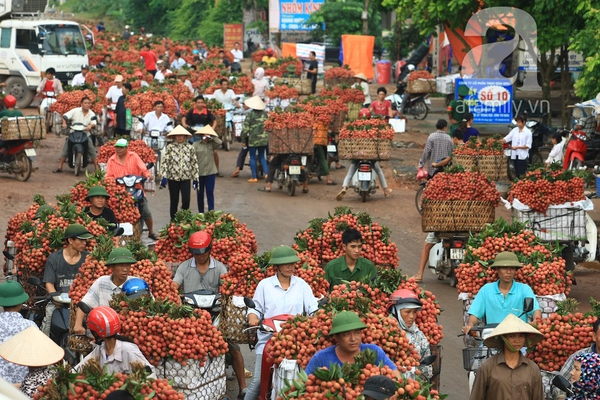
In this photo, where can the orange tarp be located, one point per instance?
(288, 50)
(358, 53)
(461, 50)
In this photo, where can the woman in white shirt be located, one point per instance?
(361, 83)
(556, 155)
(521, 139)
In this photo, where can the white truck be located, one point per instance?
(31, 42)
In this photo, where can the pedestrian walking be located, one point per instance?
(254, 133)
(207, 169)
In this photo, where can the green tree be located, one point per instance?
(586, 42)
(226, 12)
(154, 15)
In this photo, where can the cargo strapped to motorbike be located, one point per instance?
(291, 141)
(233, 319)
(196, 381)
(23, 128)
(494, 167)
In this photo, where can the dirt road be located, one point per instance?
(275, 217)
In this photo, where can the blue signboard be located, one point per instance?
(293, 14)
(490, 100)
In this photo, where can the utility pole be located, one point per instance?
(365, 18)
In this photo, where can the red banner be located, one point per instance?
(233, 33)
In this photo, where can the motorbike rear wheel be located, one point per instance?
(419, 199)
(227, 139)
(363, 195)
(536, 158)
(419, 109)
(25, 167)
(510, 170)
(78, 163)
(291, 187)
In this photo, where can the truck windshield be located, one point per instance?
(62, 40)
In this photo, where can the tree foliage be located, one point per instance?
(586, 42)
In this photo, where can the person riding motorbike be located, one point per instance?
(350, 266)
(273, 165)
(98, 198)
(10, 102)
(79, 79)
(115, 353)
(379, 387)
(364, 113)
(156, 119)
(404, 305)
(50, 84)
(203, 272)
(136, 287)
(62, 266)
(85, 116)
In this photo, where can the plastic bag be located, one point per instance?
(422, 174)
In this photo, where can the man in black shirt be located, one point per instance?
(98, 198)
(313, 71)
(199, 115)
(224, 60)
(121, 113)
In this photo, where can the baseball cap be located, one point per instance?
(119, 78)
(121, 143)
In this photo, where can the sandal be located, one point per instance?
(332, 183)
(264, 189)
(304, 190)
(340, 195)
(57, 170)
(387, 192)
(340, 167)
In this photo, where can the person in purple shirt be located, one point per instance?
(346, 330)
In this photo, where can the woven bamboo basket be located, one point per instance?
(232, 322)
(364, 149)
(457, 215)
(337, 122)
(493, 167)
(291, 141)
(339, 81)
(220, 127)
(422, 86)
(320, 134)
(353, 111)
(78, 344)
(18, 128)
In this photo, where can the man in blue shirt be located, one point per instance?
(346, 329)
(498, 299)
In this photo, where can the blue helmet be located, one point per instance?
(195, 52)
(135, 287)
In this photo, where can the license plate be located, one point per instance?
(331, 148)
(295, 170)
(30, 152)
(457, 254)
(428, 102)
(364, 176)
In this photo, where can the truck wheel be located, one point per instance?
(17, 86)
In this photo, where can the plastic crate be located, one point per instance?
(473, 357)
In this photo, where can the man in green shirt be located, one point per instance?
(351, 266)
(10, 102)
(458, 108)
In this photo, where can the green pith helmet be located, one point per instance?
(12, 294)
(463, 90)
(506, 259)
(120, 255)
(97, 191)
(346, 321)
(77, 231)
(44, 209)
(283, 255)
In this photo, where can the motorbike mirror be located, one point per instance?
(323, 302)
(563, 384)
(35, 281)
(9, 256)
(94, 118)
(120, 181)
(170, 123)
(249, 303)
(84, 307)
(70, 357)
(527, 304)
(118, 231)
(430, 359)
(150, 165)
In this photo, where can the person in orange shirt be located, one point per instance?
(150, 59)
(125, 162)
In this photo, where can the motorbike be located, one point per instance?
(77, 153)
(236, 67)
(49, 100)
(205, 300)
(474, 356)
(446, 256)
(111, 116)
(363, 179)
(17, 158)
(156, 140)
(288, 173)
(133, 185)
(416, 105)
(576, 149)
(271, 380)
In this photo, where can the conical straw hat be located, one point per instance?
(31, 348)
(179, 130)
(513, 324)
(206, 130)
(255, 103)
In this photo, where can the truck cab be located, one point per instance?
(30, 44)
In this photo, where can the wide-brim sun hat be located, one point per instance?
(31, 348)
(12, 294)
(283, 255)
(346, 321)
(97, 191)
(255, 103)
(506, 259)
(179, 131)
(512, 324)
(206, 130)
(119, 78)
(120, 255)
(361, 76)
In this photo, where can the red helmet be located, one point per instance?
(200, 242)
(139, 74)
(10, 101)
(270, 51)
(364, 113)
(104, 321)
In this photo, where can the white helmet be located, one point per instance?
(126, 26)
(411, 67)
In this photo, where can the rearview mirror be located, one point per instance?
(528, 304)
(249, 303)
(563, 384)
(430, 359)
(8, 256)
(84, 307)
(34, 280)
